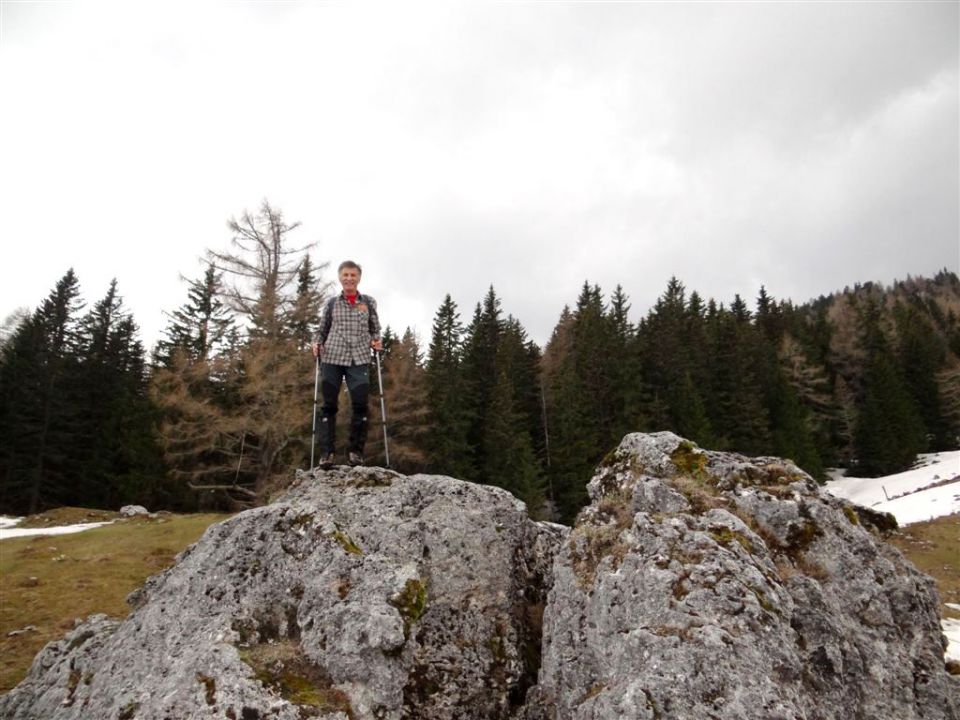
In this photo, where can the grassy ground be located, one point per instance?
(934, 547)
(48, 581)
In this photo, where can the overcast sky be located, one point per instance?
(532, 146)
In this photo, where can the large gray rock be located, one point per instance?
(695, 585)
(359, 594)
(706, 585)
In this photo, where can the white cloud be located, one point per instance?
(448, 147)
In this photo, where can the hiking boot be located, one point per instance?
(327, 461)
(355, 458)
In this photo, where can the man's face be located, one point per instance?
(349, 279)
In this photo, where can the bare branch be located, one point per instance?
(229, 488)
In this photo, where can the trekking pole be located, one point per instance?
(313, 436)
(383, 409)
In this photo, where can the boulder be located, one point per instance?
(359, 594)
(695, 584)
(708, 585)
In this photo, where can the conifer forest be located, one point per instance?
(219, 413)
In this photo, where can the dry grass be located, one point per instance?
(48, 581)
(934, 547)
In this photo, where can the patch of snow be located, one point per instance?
(6, 521)
(908, 496)
(924, 505)
(951, 628)
(8, 532)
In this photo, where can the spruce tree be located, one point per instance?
(689, 412)
(570, 453)
(199, 327)
(889, 431)
(811, 385)
(40, 421)
(308, 306)
(509, 459)
(481, 344)
(117, 458)
(448, 414)
(593, 344)
(581, 395)
(739, 418)
(624, 366)
(921, 354)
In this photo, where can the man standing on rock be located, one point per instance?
(349, 328)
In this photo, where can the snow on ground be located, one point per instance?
(951, 628)
(7, 529)
(908, 496)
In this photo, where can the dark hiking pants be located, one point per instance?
(358, 384)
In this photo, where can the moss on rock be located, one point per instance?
(411, 603)
(347, 543)
(283, 667)
(689, 460)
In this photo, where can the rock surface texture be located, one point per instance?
(695, 585)
(708, 585)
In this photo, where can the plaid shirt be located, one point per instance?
(346, 330)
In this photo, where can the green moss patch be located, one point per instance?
(727, 537)
(411, 603)
(763, 600)
(688, 460)
(347, 543)
(282, 667)
(882, 522)
(693, 480)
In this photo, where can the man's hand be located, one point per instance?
(317, 349)
(376, 344)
